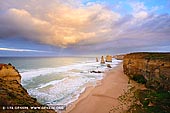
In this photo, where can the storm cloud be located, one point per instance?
(78, 26)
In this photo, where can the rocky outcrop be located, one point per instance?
(119, 57)
(97, 59)
(8, 72)
(154, 67)
(108, 58)
(96, 72)
(13, 97)
(102, 60)
(109, 66)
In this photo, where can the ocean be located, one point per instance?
(57, 80)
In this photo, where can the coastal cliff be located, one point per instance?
(152, 70)
(153, 67)
(13, 97)
(119, 57)
(8, 72)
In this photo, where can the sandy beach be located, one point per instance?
(103, 97)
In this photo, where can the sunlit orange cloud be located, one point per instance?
(61, 25)
(70, 23)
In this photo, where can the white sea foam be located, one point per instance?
(67, 89)
(29, 74)
(59, 91)
(51, 83)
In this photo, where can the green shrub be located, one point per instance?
(160, 100)
(139, 79)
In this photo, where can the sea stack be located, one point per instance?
(102, 60)
(108, 58)
(109, 66)
(97, 59)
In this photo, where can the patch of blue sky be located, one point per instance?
(161, 6)
(123, 6)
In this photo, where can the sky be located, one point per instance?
(83, 27)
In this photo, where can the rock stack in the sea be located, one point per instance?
(97, 59)
(102, 60)
(13, 95)
(109, 66)
(108, 58)
(96, 72)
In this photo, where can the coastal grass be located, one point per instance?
(139, 79)
(151, 101)
(149, 55)
(156, 56)
(136, 100)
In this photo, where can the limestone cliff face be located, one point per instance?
(119, 57)
(8, 72)
(13, 95)
(154, 67)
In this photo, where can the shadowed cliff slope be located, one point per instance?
(13, 96)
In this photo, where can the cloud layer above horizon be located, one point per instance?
(81, 25)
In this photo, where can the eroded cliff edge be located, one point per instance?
(152, 70)
(154, 67)
(13, 96)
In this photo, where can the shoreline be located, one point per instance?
(102, 97)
